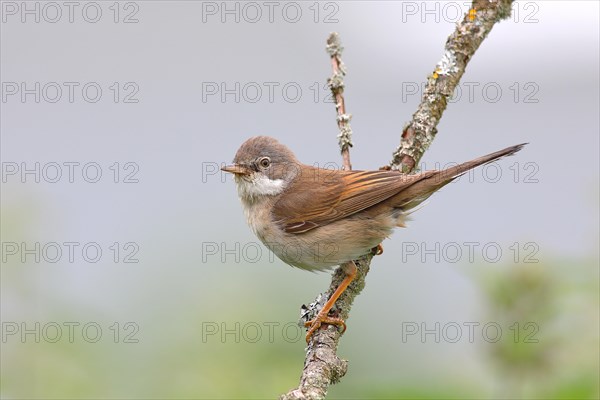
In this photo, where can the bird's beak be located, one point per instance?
(237, 169)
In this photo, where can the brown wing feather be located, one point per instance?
(327, 196)
(323, 196)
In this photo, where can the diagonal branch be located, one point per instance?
(322, 366)
(460, 47)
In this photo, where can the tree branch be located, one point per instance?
(336, 84)
(418, 134)
(322, 366)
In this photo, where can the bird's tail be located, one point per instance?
(432, 181)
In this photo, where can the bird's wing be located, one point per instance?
(323, 196)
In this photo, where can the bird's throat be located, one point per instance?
(260, 186)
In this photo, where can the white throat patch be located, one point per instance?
(260, 186)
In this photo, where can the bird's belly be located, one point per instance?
(327, 246)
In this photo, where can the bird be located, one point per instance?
(315, 218)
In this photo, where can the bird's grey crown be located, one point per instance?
(263, 146)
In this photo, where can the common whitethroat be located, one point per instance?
(314, 218)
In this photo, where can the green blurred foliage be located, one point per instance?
(553, 313)
(553, 357)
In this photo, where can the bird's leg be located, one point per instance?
(377, 250)
(323, 315)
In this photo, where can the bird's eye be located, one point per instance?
(264, 162)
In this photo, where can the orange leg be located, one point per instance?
(323, 317)
(377, 251)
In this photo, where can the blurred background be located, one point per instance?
(128, 270)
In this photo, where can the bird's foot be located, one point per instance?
(319, 320)
(323, 317)
(377, 250)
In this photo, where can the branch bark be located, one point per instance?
(336, 84)
(322, 366)
(418, 134)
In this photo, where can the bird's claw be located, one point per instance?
(319, 320)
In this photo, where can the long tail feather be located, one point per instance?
(435, 180)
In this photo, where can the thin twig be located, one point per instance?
(336, 84)
(322, 366)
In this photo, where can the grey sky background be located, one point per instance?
(544, 61)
